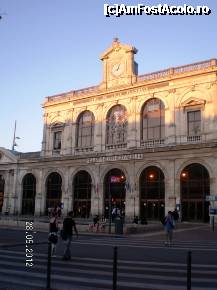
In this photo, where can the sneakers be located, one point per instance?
(169, 244)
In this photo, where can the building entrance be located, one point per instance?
(82, 194)
(28, 201)
(152, 194)
(197, 210)
(195, 185)
(115, 191)
(54, 190)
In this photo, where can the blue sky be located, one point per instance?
(53, 46)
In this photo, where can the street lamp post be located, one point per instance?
(134, 205)
(15, 137)
(110, 208)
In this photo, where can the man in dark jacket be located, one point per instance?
(68, 227)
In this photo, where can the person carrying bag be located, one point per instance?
(53, 236)
(67, 233)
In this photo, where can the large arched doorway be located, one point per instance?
(29, 189)
(2, 186)
(82, 194)
(195, 185)
(54, 190)
(114, 191)
(152, 193)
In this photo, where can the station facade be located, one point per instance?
(143, 143)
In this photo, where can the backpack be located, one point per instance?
(53, 238)
(175, 215)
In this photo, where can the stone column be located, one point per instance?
(171, 193)
(132, 194)
(43, 192)
(131, 138)
(98, 129)
(7, 190)
(14, 195)
(73, 133)
(66, 138)
(97, 194)
(214, 104)
(103, 129)
(170, 122)
(65, 192)
(39, 204)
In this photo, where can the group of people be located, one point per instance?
(98, 224)
(69, 226)
(66, 232)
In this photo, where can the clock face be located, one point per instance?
(117, 69)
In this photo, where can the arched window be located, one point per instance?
(116, 127)
(195, 185)
(54, 190)
(82, 194)
(29, 189)
(152, 120)
(85, 130)
(152, 193)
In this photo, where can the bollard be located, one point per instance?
(48, 266)
(114, 287)
(213, 223)
(189, 270)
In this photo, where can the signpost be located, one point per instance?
(212, 209)
(211, 197)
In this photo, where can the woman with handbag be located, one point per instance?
(169, 227)
(53, 237)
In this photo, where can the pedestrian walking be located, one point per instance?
(114, 213)
(68, 227)
(169, 227)
(53, 230)
(58, 210)
(175, 216)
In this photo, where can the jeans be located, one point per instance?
(67, 253)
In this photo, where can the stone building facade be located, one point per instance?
(142, 143)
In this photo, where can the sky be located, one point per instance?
(54, 46)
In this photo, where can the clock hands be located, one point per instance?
(118, 66)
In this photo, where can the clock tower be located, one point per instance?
(119, 67)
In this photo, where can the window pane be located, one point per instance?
(153, 120)
(57, 140)
(194, 123)
(85, 129)
(116, 131)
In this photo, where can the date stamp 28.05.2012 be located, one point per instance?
(29, 238)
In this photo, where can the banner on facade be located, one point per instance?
(115, 179)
